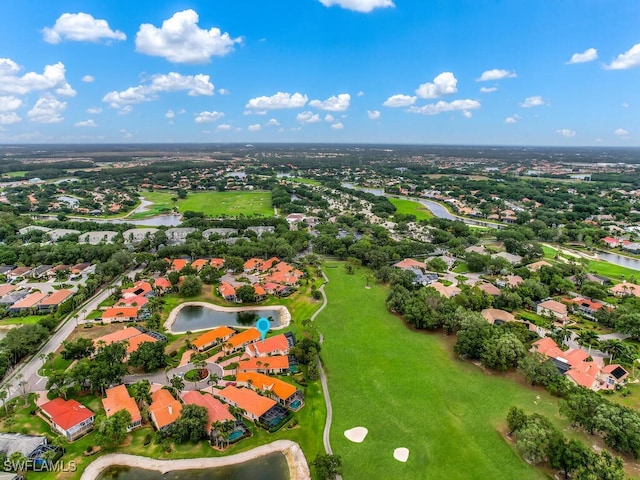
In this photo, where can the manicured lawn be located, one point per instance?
(409, 207)
(28, 320)
(410, 391)
(306, 181)
(19, 173)
(462, 267)
(615, 272)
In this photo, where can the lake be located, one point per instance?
(620, 260)
(270, 467)
(194, 318)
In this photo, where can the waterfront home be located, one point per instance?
(255, 407)
(227, 291)
(212, 338)
(53, 301)
(241, 340)
(275, 364)
(117, 399)
(625, 288)
(276, 345)
(553, 308)
(282, 392)
(216, 412)
(164, 409)
(120, 314)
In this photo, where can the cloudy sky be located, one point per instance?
(511, 72)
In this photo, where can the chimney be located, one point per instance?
(170, 410)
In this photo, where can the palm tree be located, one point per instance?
(613, 347)
(213, 378)
(587, 337)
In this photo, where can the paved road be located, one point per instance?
(29, 369)
(164, 378)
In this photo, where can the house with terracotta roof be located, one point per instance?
(255, 407)
(445, 291)
(535, 266)
(282, 392)
(164, 409)
(54, 300)
(553, 308)
(18, 272)
(134, 336)
(68, 417)
(216, 410)
(30, 301)
(241, 340)
(212, 338)
(227, 291)
(625, 288)
(140, 289)
(489, 289)
(574, 364)
(496, 316)
(283, 278)
(269, 264)
(6, 288)
(274, 365)
(252, 265)
(409, 263)
(217, 263)
(587, 306)
(510, 281)
(162, 284)
(276, 345)
(177, 264)
(79, 268)
(137, 301)
(200, 263)
(117, 399)
(611, 242)
(259, 292)
(270, 287)
(120, 314)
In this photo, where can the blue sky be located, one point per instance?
(509, 72)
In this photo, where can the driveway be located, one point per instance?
(164, 378)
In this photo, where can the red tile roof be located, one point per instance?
(56, 298)
(30, 300)
(178, 264)
(226, 290)
(200, 263)
(118, 398)
(252, 264)
(66, 413)
(408, 263)
(120, 312)
(212, 335)
(162, 283)
(164, 409)
(247, 336)
(216, 410)
(275, 362)
(139, 288)
(259, 381)
(278, 343)
(6, 288)
(247, 399)
(217, 262)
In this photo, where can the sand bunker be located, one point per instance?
(357, 434)
(401, 454)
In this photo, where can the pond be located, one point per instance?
(192, 317)
(269, 467)
(620, 260)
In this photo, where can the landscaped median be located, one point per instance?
(409, 390)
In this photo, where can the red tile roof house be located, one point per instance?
(18, 273)
(241, 340)
(68, 417)
(254, 405)
(164, 409)
(587, 306)
(162, 285)
(28, 302)
(625, 288)
(409, 263)
(269, 264)
(120, 314)
(200, 263)
(611, 242)
(282, 392)
(139, 289)
(227, 292)
(53, 301)
(216, 410)
(178, 264)
(276, 345)
(252, 265)
(118, 398)
(574, 364)
(259, 292)
(273, 365)
(554, 308)
(213, 338)
(217, 263)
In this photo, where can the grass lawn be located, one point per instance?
(28, 320)
(19, 173)
(306, 181)
(615, 272)
(214, 204)
(410, 391)
(462, 267)
(409, 207)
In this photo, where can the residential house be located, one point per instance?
(216, 410)
(409, 263)
(252, 265)
(270, 287)
(30, 301)
(4, 269)
(177, 264)
(212, 338)
(217, 263)
(241, 340)
(255, 407)
(276, 345)
(117, 399)
(134, 336)
(479, 249)
(58, 270)
(6, 288)
(178, 236)
(140, 288)
(447, 292)
(496, 316)
(33, 448)
(200, 263)
(58, 234)
(97, 237)
(587, 306)
(509, 257)
(80, 269)
(261, 229)
(625, 288)
(164, 409)
(489, 289)
(39, 271)
(259, 292)
(535, 266)
(611, 242)
(553, 308)
(510, 281)
(421, 278)
(282, 392)
(19, 272)
(13, 297)
(68, 417)
(120, 314)
(53, 301)
(227, 291)
(162, 285)
(274, 365)
(272, 263)
(220, 232)
(137, 235)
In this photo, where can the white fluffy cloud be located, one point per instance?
(88, 79)
(496, 74)
(399, 100)
(589, 55)
(488, 89)
(364, 6)
(80, 27)
(308, 117)
(94, 110)
(535, 101)
(329, 118)
(9, 104)
(442, 106)
(53, 78)
(337, 126)
(224, 91)
(9, 118)
(195, 85)
(273, 123)
(443, 84)
(256, 127)
(628, 59)
(335, 103)
(170, 114)
(373, 114)
(86, 123)
(48, 109)
(209, 117)
(512, 119)
(621, 132)
(277, 101)
(565, 132)
(223, 127)
(181, 40)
